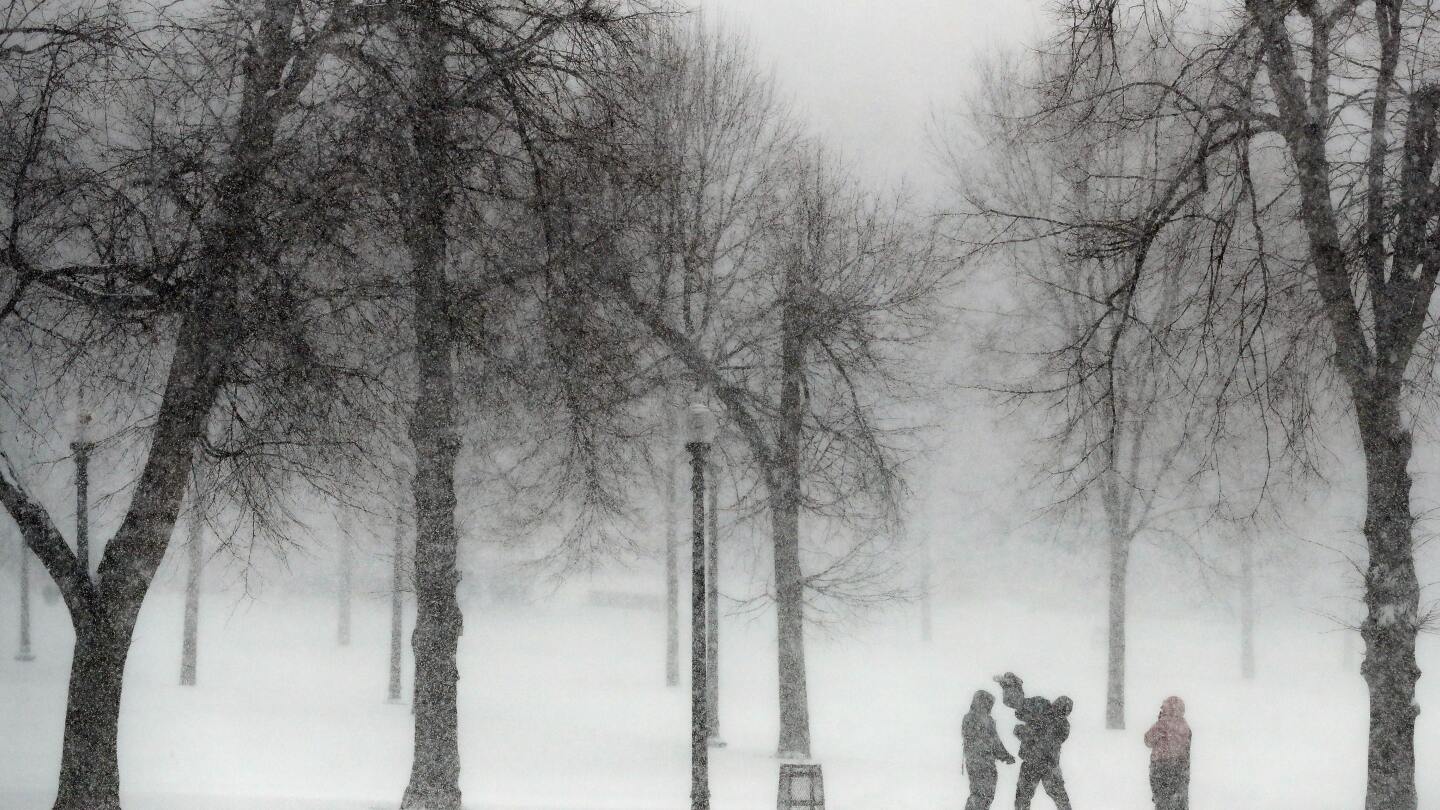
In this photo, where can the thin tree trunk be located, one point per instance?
(785, 514)
(24, 654)
(190, 636)
(435, 771)
(346, 583)
(89, 767)
(1392, 600)
(712, 607)
(672, 577)
(926, 631)
(1115, 679)
(1247, 610)
(397, 618)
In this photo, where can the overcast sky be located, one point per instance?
(867, 74)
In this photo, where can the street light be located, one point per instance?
(712, 610)
(699, 433)
(81, 448)
(24, 654)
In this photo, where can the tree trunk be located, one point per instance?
(397, 618)
(926, 631)
(672, 578)
(190, 635)
(1115, 679)
(1247, 610)
(712, 607)
(1392, 599)
(347, 575)
(435, 771)
(89, 768)
(785, 514)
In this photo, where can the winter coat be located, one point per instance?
(1169, 738)
(1044, 725)
(981, 742)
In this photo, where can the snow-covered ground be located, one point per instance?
(564, 706)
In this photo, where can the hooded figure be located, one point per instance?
(982, 748)
(1169, 743)
(1044, 726)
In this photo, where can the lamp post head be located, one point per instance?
(699, 424)
(81, 443)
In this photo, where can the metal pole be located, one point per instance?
(24, 654)
(712, 610)
(396, 617)
(699, 753)
(190, 639)
(81, 448)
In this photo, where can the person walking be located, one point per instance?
(1169, 744)
(982, 749)
(1044, 727)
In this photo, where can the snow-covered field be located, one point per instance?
(564, 706)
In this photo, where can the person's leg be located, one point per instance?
(1159, 789)
(982, 789)
(1025, 785)
(1054, 782)
(1182, 785)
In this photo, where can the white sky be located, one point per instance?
(868, 74)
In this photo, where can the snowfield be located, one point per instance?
(563, 707)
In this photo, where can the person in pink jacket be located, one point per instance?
(1169, 743)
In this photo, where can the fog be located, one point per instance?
(576, 405)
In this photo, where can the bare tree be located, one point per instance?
(123, 259)
(1302, 135)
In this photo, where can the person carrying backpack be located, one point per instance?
(1044, 727)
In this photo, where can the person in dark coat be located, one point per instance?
(1044, 727)
(1169, 743)
(982, 748)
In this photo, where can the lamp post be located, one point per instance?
(81, 448)
(24, 654)
(712, 610)
(699, 433)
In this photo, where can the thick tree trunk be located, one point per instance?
(1115, 679)
(89, 768)
(1392, 600)
(346, 580)
(435, 771)
(190, 635)
(672, 577)
(785, 514)
(712, 606)
(1247, 610)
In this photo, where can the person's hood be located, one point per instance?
(1172, 707)
(982, 702)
